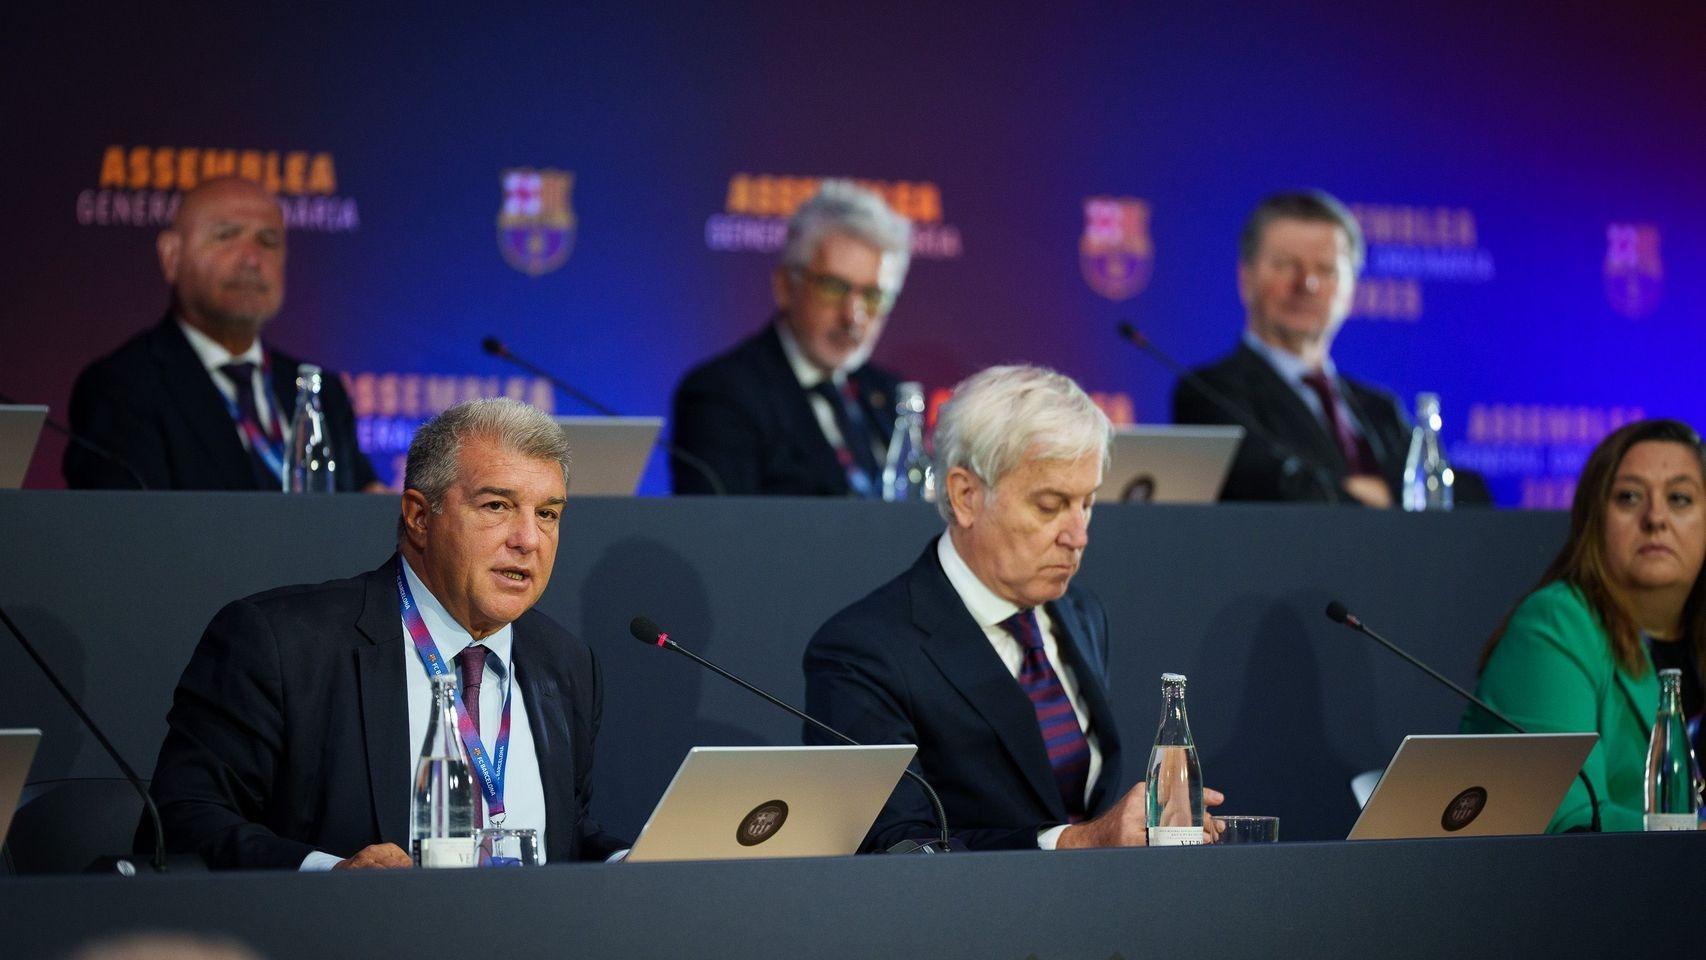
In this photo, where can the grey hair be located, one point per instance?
(1313, 206)
(842, 206)
(515, 426)
(1002, 416)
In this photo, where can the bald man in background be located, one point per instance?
(198, 402)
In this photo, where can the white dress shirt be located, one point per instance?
(989, 610)
(524, 792)
(213, 356)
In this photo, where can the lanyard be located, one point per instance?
(489, 768)
(269, 447)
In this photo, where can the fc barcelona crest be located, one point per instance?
(536, 225)
(1634, 274)
(1115, 251)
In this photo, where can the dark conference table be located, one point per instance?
(1620, 896)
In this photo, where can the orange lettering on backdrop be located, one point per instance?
(740, 190)
(296, 172)
(112, 167)
(165, 163)
(271, 180)
(321, 178)
(249, 165)
(188, 158)
(138, 168)
(218, 163)
(441, 394)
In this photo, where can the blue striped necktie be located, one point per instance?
(1068, 750)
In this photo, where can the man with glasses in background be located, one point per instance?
(796, 409)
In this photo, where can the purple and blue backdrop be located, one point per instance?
(605, 191)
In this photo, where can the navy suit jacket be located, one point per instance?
(289, 730)
(908, 664)
(153, 405)
(746, 416)
(1318, 466)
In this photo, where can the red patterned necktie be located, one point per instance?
(1068, 750)
(472, 663)
(1359, 457)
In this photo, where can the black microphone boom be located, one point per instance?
(1339, 613)
(497, 348)
(88, 721)
(1290, 460)
(645, 631)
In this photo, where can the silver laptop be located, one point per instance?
(17, 749)
(20, 425)
(1473, 785)
(1159, 463)
(735, 803)
(607, 455)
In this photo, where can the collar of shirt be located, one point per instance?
(985, 605)
(1289, 366)
(213, 356)
(805, 371)
(451, 636)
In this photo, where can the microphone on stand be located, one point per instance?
(1339, 613)
(121, 867)
(645, 631)
(497, 348)
(88, 445)
(1291, 462)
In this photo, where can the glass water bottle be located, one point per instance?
(1174, 788)
(441, 832)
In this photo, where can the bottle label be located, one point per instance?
(1671, 821)
(1175, 836)
(441, 852)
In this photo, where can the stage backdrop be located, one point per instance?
(606, 191)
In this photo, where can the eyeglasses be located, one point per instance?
(831, 291)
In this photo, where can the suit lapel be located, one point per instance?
(202, 407)
(795, 408)
(552, 739)
(385, 704)
(961, 651)
(1285, 413)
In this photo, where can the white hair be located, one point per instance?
(1002, 416)
(841, 206)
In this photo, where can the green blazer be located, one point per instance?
(1554, 671)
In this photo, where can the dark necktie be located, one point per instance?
(472, 662)
(241, 376)
(856, 454)
(1068, 750)
(1353, 446)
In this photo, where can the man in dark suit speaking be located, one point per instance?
(1344, 441)
(197, 401)
(294, 732)
(984, 654)
(795, 409)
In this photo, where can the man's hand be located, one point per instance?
(1127, 824)
(1369, 490)
(380, 856)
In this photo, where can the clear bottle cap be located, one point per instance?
(1172, 678)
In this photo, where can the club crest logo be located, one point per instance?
(536, 226)
(1463, 809)
(762, 823)
(1634, 274)
(1115, 251)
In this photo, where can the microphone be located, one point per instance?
(1291, 462)
(88, 445)
(1339, 613)
(645, 631)
(88, 721)
(497, 348)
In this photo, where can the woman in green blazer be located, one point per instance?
(1576, 655)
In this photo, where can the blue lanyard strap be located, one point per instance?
(489, 768)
